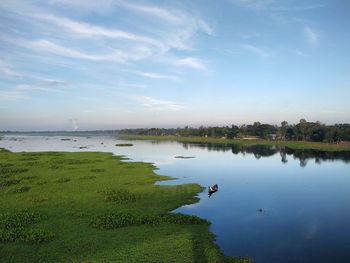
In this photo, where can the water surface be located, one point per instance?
(274, 205)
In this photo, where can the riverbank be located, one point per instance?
(331, 147)
(95, 207)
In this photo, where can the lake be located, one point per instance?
(273, 204)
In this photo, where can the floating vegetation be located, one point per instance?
(29, 159)
(19, 190)
(124, 144)
(118, 220)
(184, 157)
(8, 170)
(41, 182)
(29, 177)
(62, 180)
(6, 165)
(121, 196)
(66, 139)
(87, 177)
(54, 167)
(32, 163)
(83, 147)
(98, 170)
(16, 227)
(6, 183)
(38, 198)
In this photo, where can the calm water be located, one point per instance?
(276, 206)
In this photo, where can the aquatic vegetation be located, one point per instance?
(6, 183)
(17, 227)
(118, 220)
(120, 196)
(62, 180)
(184, 157)
(87, 177)
(98, 170)
(124, 144)
(96, 209)
(21, 189)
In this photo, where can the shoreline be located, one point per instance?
(298, 145)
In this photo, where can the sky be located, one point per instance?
(111, 64)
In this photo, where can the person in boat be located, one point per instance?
(212, 189)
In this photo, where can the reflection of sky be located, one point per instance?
(304, 214)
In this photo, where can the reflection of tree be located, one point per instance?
(260, 151)
(283, 157)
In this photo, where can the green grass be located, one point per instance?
(332, 147)
(91, 207)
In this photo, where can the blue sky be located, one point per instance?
(108, 64)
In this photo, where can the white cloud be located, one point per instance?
(159, 105)
(154, 75)
(47, 85)
(256, 50)
(190, 62)
(47, 46)
(88, 30)
(312, 37)
(7, 69)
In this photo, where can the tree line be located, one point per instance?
(302, 131)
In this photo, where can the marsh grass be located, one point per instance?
(17, 227)
(120, 196)
(62, 180)
(119, 216)
(19, 190)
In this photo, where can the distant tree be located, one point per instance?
(284, 127)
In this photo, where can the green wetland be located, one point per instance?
(72, 200)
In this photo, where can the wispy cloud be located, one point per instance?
(312, 37)
(47, 85)
(93, 31)
(275, 6)
(154, 75)
(159, 105)
(190, 62)
(47, 46)
(256, 50)
(6, 69)
(12, 95)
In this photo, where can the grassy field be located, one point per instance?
(94, 207)
(291, 144)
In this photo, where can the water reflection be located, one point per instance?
(260, 151)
